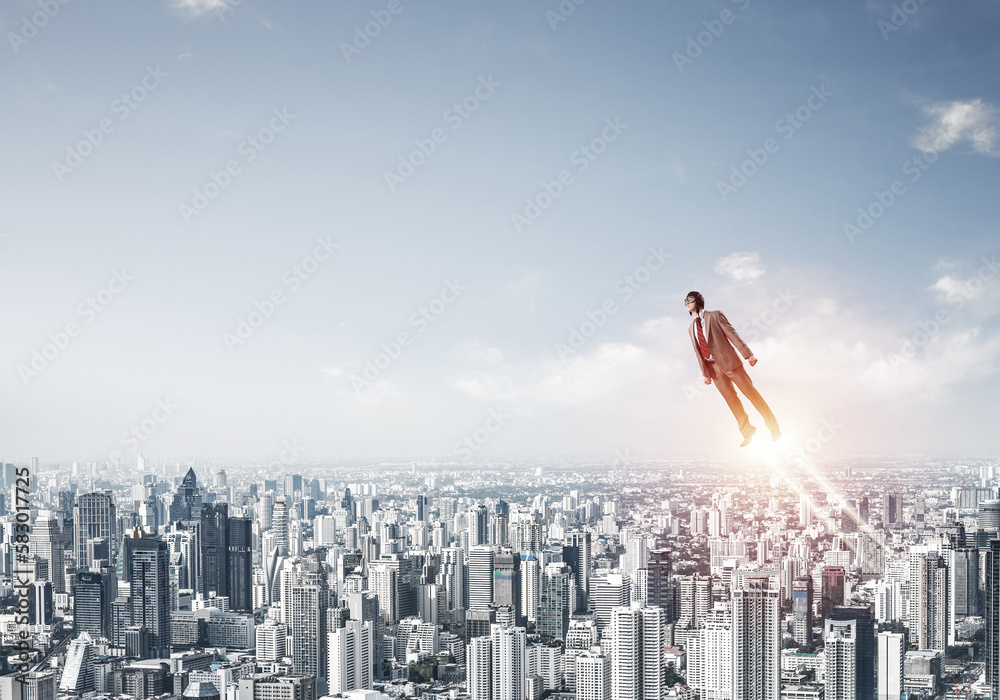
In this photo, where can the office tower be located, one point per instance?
(607, 593)
(848, 517)
(279, 525)
(350, 656)
(214, 574)
(309, 599)
(507, 582)
(151, 593)
(593, 675)
(93, 593)
(508, 662)
(407, 583)
(932, 610)
(479, 521)
(93, 517)
(993, 617)
(802, 609)
(840, 651)
(757, 651)
(239, 565)
(186, 503)
(185, 553)
(863, 513)
(41, 604)
(833, 588)
(78, 672)
(695, 600)
(453, 576)
(635, 645)
(385, 585)
(531, 585)
(271, 638)
(805, 510)
(965, 598)
(989, 515)
(553, 609)
(892, 511)
(863, 635)
(659, 588)
(479, 668)
(47, 544)
(710, 655)
(481, 575)
(582, 635)
(577, 554)
(324, 530)
(891, 652)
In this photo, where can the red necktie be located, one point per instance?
(702, 343)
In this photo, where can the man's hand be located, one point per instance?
(708, 380)
(752, 360)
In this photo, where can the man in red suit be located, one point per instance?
(713, 337)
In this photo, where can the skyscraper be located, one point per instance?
(757, 638)
(891, 652)
(507, 582)
(802, 609)
(607, 593)
(577, 554)
(892, 511)
(214, 575)
(279, 525)
(833, 588)
(862, 622)
(481, 575)
(479, 668)
(553, 610)
(993, 617)
(309, 599)
(531, 585)
(932, 612)
(239, 565)
(710, 655)
(635, 645)
(508, 662)
(840, 651)
(78, 672)
(593, 675)
(966, 599)
(659, 588)
(151, 593)
(93, 594)
(186, 504)
(47, 544)
(93, 517)
(350, 654)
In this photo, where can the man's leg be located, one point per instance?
(740, 377)
(725, 387)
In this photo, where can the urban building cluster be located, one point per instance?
(508, 581)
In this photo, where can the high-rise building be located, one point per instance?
(659, 586)
(507, 582)
(989, 515)
(582, 635)
(481, 575)
(635, 644)
(891, 652)
(606, 593)
(351, 654)
(239, 564)
(802, 609)
(554, 608)
(479, 520)
(695, 600)
(860, 616)
(531, 585)
(479, 668)
(593, 675)
(214, 540)
(833, 588)
(309, 599)
(271, 638)
(840, 652)
(279, 525)
(93, 594)
(508, 662)
(757, 631)
(892, 511)
(966, 598)
(151, 593)
(992, 587)
(93, 518)
(324, 530)
(577, 555)
(710, 655)
(47, 544)
(78, 672)
(933, 608)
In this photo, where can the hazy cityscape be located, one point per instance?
(504, 580)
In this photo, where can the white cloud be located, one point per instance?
(740, 267)
(974, 121)
(196, 8)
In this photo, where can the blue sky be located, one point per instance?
(834, 311)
